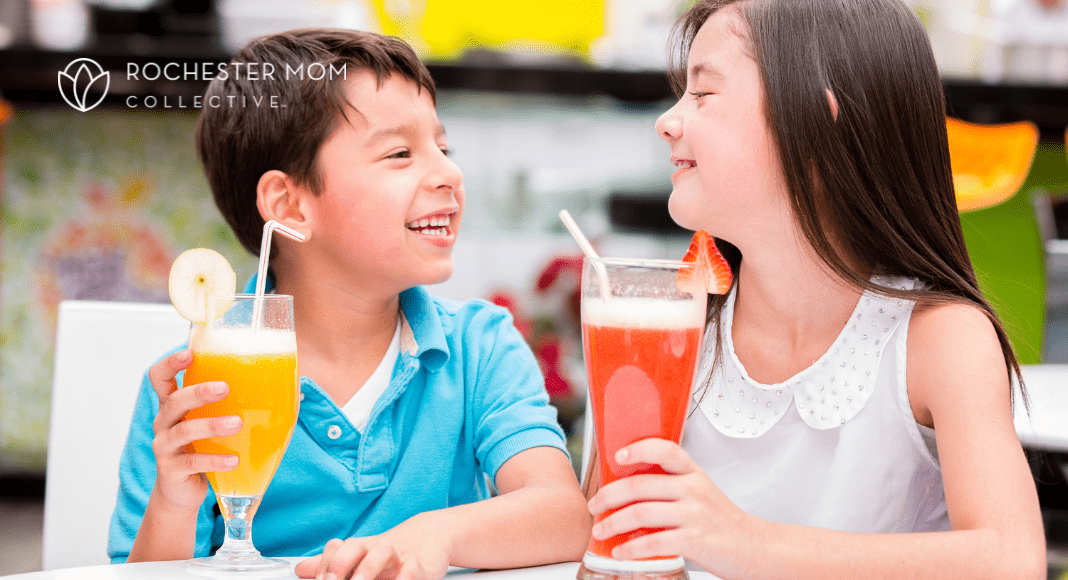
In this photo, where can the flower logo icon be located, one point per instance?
(75, 88)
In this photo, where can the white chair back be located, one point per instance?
(102, 352)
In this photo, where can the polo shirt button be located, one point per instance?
(302, 395)
(333, 432)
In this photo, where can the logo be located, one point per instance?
(74, 88)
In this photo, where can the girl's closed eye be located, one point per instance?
(698, 95)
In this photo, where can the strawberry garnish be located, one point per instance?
(703, 250)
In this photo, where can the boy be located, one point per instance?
(406, 400)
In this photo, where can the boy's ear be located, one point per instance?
(278, 198)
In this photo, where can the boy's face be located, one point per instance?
(391, 201)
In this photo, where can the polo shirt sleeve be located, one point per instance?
(137, 476)
(511, 406)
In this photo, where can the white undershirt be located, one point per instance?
(358, 409)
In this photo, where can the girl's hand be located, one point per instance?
(407, 552)
(180, 481)
(701, 524)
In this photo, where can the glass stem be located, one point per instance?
(238, 512)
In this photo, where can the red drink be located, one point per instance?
(641, 354)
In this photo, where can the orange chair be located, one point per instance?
(990, 166)
(990, 162)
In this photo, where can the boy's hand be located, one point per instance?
(409, 551)
(180, 481)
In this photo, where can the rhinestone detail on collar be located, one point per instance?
(827, 394)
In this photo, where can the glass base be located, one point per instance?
(246, 565)
(596, 567)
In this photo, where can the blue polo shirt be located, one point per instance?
(465, 396)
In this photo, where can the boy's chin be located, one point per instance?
(440, 273)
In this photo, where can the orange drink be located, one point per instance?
(248, 342)
(641, 342)
(260, 368)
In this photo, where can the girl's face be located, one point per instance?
(729, 178)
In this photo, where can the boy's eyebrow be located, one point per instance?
(406, 130)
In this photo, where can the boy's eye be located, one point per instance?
(402, 154)
(446, 151)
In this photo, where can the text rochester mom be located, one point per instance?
(208, 71)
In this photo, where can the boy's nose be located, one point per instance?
(447, 175)
(669, 125)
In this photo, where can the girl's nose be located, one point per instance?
(669, 125)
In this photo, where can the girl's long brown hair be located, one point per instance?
(876, 180)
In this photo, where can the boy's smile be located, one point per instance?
(437, 225)
(391, 200)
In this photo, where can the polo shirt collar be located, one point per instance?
(250, 286)
(421, 314)
(421, 332)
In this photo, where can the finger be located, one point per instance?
(668, 455)
(162, 374)
(647, 514)
(636, 488)
(186, 399)
(187, 464)
(672, 542)
(377, 559)
(327, 555)
(307, 568)
(345, 559)
(186, 432)
(411, 570)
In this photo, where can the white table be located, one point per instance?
(176, 571)
(1047, 426)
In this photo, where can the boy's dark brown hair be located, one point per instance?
(872, 186)
(240, 136)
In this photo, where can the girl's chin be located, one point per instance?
(680, 215)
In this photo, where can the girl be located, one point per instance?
(855, 382)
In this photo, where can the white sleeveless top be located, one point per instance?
(836, 446)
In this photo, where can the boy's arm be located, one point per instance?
(145, 525)
(137, 475)
(539, 516)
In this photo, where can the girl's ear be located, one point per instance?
(279, 198)
(833, 102)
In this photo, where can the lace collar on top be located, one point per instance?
(827, 394)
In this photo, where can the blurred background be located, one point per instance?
(548, 104)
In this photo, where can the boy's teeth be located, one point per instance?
(433, 222)
(430, 231)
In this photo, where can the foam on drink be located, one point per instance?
(243, 341)
(650, 313)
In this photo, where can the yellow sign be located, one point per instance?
(446, 29)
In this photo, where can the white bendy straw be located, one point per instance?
(587, 249)
(265, 254)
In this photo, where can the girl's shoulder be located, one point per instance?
(959, 321)
(953, 354)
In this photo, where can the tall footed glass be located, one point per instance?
(253, 348)
(642, 325)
